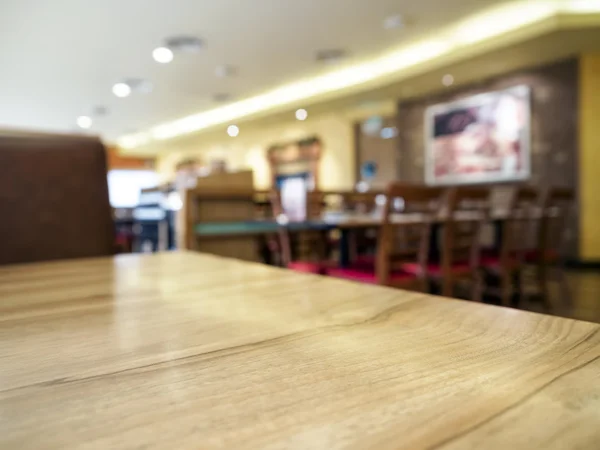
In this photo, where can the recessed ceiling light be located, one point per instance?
(448, 80)
(224, 71)
(480, 27)
(84, 122)
(301, 114)
(121, 90)
(162, 55)
(233, 130)
(330, 55)
(394, 22)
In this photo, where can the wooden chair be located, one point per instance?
(311, 246)
(315, 205)
(53, 198)
(360, 202)
(362, 241)
(547, 258)
(268, 243)
(264, 207)
(520, 231)
(402, 239)
(467, 210)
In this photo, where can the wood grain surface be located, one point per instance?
(184, 350)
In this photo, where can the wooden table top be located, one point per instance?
(185, 350)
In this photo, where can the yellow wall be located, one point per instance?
(589, 157)
(334, 126)
(248, 150)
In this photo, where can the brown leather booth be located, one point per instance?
(53, 198)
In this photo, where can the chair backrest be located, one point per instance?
(315, 204)
(521, 232)
(284, 249)
(311, 244)
(361, 202)
(300, 205)
(405, 238)
(262, 200)
(467, 211)
(558, 205)
(53, 198)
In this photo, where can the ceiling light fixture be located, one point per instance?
(287, 94)
(447, 80)
(233, 130)
(480, 27)
(132, 85)
(162, 55)
(84, 122)
(301, 114)
(121, 90)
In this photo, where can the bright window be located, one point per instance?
(124, 186)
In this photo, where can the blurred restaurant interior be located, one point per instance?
(449, 148)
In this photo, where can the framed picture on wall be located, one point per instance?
(479, 139)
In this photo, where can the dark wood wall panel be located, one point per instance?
(554, 127)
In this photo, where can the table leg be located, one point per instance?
(435, 243)
(344, 248)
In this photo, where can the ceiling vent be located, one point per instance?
(184, 44)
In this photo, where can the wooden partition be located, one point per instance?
(218, 203)
(217, 212)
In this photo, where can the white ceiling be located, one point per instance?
(60, 58)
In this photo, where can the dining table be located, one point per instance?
(348, 223)
(181, 350)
